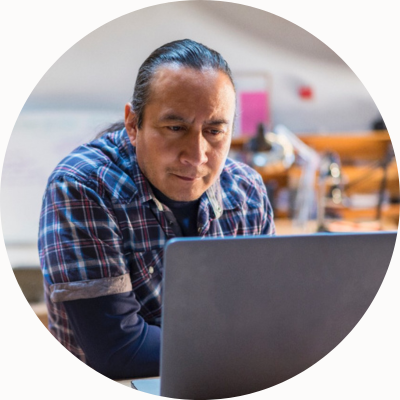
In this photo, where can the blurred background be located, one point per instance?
(305, 122)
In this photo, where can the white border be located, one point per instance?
(363, 33)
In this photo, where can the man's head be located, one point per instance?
(181, 118)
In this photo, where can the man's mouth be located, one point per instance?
(187, 178)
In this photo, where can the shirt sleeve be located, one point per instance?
(116, 340)
(80, 243)
(83, 263)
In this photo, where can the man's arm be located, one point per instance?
(82, 257)
(117, 342)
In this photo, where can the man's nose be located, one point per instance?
(194, 151)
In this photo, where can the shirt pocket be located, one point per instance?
(146, 267)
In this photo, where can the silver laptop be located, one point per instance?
(244, 314)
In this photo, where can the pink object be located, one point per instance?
(254, 110)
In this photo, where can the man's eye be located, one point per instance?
(215, 132)
(174, 128)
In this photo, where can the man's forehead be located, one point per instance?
(185, 94)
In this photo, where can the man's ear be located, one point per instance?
(131, 123)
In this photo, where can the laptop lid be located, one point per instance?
(243, 314)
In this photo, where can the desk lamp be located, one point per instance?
(268, 148)
(304, 202)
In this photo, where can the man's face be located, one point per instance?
(186, 132)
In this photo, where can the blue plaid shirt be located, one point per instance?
(102, 231)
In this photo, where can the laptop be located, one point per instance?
(244, 314)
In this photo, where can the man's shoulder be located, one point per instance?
(241, 184)
(242, 173)
(102, 164)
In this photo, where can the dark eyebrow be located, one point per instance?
(172, 117)
(217, 122)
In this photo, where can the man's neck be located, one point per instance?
(169, 202)
(184, 212)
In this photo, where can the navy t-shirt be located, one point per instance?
(185, 212)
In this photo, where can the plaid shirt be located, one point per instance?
(102, 232)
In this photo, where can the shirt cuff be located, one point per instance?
(90, 288)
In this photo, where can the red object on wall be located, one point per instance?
(306, 92)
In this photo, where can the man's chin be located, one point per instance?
(180, 190)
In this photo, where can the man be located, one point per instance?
(112, 204)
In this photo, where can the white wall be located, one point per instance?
(89, 85)
(100, 70)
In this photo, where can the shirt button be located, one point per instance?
(151, 270)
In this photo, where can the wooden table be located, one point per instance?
(286, 226)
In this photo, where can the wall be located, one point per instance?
(89, 85)
(99, 71)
